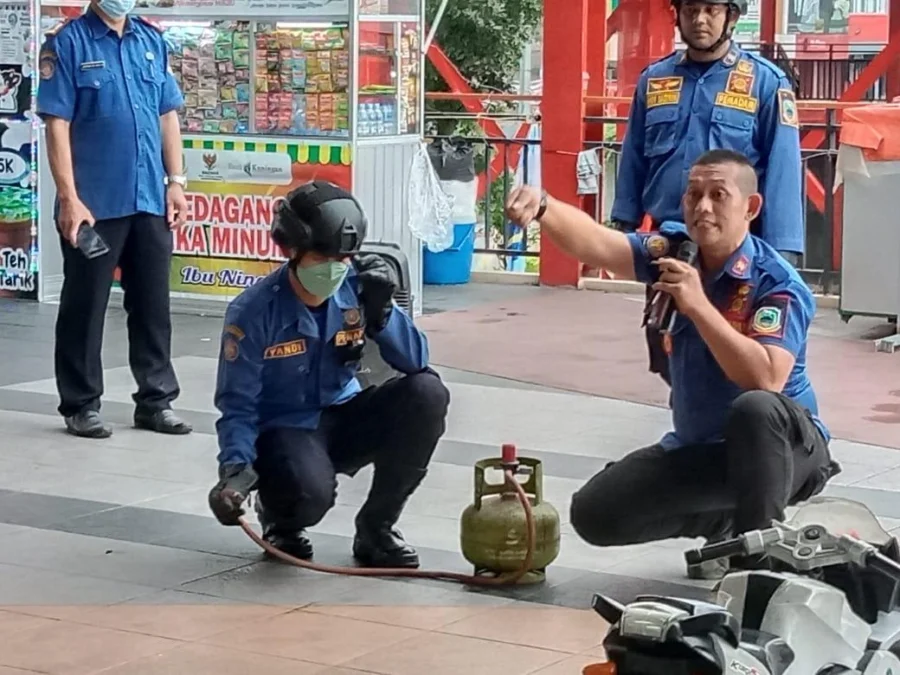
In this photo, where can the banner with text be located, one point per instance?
(232, 191)
(18, 204)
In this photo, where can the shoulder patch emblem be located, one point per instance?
(769, 319)
(47, 64)
(787, 108)
(231, 329)
(230, 349)
(657, 246)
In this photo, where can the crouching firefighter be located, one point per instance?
(293, 414)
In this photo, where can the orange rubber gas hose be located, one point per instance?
(469, 579)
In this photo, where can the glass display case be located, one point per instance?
(277, 93)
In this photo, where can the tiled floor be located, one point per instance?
(317, 638)
(111, 563)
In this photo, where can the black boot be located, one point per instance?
(377, 542)
(291, 540)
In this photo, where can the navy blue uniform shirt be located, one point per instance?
(281, 365)
(681, 109)
(760, 295)
(112, 91)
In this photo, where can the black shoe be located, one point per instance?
(377, 543)
(162, 422)
(87, 424)
(294, 543)
(383, 547)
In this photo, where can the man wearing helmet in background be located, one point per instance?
(713, 95)
(293, 414)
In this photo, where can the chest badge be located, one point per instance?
(657, 246)
(744, 67)
(738, 307)
(352, 317)
(664, 91)
(737, 94)
(285, 350)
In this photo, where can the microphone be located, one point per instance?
(662, 311)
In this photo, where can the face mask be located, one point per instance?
(116, 9)
(323, 279)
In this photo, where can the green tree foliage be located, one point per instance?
(485, 39)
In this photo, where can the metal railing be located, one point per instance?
(818, 268)
(508, 162)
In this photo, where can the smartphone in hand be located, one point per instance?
(90, 243)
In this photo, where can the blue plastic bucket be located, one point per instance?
(454, 264)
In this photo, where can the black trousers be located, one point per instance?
(395, 426)
(773, 456)
(141, 246)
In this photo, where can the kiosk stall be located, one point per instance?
(279, 92)
(18, 148)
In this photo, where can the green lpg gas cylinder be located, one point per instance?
(493, 532)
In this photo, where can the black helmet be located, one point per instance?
(740, 5)
(322, 217)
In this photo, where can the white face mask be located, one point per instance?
(116, 9)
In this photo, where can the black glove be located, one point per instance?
(376, 290)
(226, 498)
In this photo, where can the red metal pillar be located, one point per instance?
(892, 79)
(562, 120)
(768, 15)
(646, 34)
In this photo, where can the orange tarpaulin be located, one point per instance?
(875, 129)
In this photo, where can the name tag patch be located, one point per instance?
(284, 350)
(663, 91)
(746, 104)
(345, 337)
(91, 65)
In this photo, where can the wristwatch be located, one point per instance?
(178, 180)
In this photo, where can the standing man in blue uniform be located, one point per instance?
(747, 439)
(712, 95)
(110, 105)
(293, 413)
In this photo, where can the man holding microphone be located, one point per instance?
(747, 440)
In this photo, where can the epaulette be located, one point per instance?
(763, 61)
(659, 61)
(155, 26)
(54, 31)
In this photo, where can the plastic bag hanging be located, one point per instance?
(430, 208)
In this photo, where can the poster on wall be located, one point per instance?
(18, 231)
(15, 60)
(233, 188)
